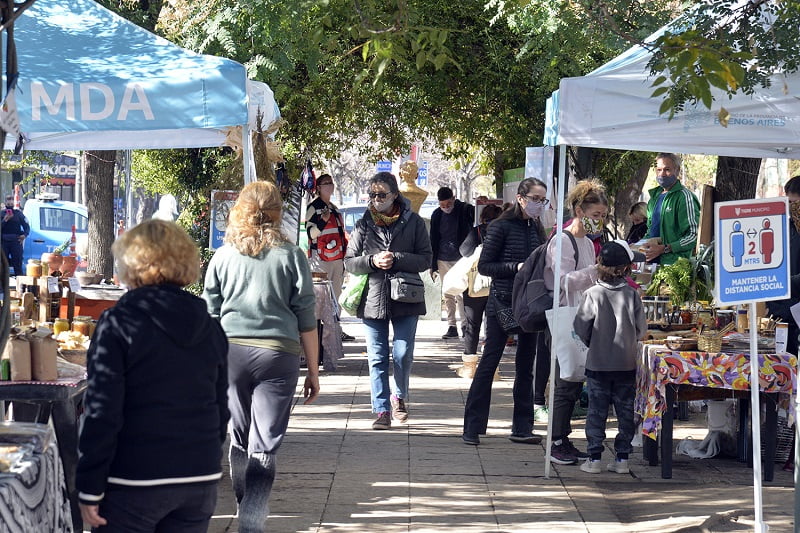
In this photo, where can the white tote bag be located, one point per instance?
(456, 281)
(570, 349)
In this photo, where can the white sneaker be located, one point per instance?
(620, 466)
(592, 467)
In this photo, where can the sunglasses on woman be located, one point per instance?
(378, 195)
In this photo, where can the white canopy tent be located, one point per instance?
(611, 107)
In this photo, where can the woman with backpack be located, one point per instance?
(509, 240)
(589, 205)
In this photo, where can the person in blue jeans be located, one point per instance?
(610, 321)
(390, 239)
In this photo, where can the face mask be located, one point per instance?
(383, 206)
(533, 209)
(666, 181)
(447, 210)
(593, 227)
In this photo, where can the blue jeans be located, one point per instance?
(605, 388)
(185, 508)
(377, 334)
(476, 409)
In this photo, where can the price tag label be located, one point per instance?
(74, 284)
(53, 285)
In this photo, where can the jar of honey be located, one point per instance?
(59, 325)
(33, 268)
(16, 311)
(82, 324)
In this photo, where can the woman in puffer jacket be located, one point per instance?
(509, 241)
(389, 241)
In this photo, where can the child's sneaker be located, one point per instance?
(560, 455)
(620, 466)
(592, 466)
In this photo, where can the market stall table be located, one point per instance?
(36, 401)
(664, 376)
(33, 496)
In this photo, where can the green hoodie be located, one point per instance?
(680, 218)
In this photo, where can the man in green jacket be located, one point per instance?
(673, 214)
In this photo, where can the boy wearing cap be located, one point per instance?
(610, 321)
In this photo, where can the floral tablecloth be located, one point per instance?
(658, 366)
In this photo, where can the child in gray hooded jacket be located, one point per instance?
(610, 321)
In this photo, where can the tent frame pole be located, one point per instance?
(562, 165)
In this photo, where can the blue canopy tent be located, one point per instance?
(89, 79)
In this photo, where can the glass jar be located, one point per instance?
(33, 268)
(82, 324)
(16, 311)
(59, 325)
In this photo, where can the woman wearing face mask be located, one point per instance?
(509, 240)
(389, 239)
(589, 206)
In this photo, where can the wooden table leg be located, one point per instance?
(770, 437)
(666, 434)
(742, 435)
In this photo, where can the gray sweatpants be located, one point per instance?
(261, 386)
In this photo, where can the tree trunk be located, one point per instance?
(99, 172)
(627, 196)
(736, 178)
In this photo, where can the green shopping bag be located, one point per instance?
(351, 295)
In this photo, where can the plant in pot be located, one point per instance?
(55, 258)
(686, 280)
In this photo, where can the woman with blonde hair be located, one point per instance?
(589, 205)
(259, 286)
(156, 404)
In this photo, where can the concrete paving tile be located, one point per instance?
(365, 518)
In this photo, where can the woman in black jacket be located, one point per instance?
(510, 239)
(474, 306)
(388, 242)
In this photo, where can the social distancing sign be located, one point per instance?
(751, 255)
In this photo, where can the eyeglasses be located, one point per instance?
(378, 195)
(543, 201)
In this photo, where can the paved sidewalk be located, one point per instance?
(335, 474)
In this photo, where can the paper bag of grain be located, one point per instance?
(44, 350)
(18, 351)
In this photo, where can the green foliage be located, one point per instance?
(725, 45)
(688, 280)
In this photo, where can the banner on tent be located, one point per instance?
(221, 204)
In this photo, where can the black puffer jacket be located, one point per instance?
(408, 240)
(508, 242)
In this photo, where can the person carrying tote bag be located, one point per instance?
(589, 206)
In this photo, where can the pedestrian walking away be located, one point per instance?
(156, 401)
(267, 321)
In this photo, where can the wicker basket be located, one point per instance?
(682, 345)
(709, 342)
